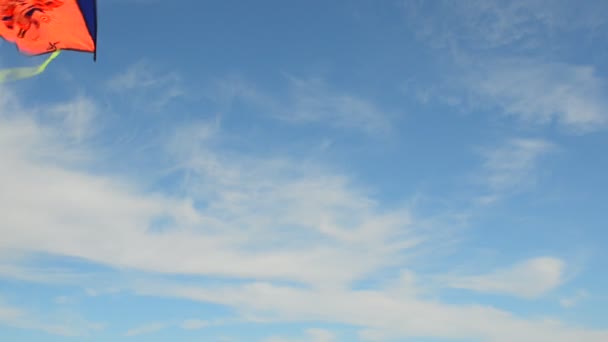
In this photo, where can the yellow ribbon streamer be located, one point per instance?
(15, 74)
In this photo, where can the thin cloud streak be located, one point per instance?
(22, 319)
(307, 101)
(147, 87)
(529, 279)
(513, 164)
(544, 93)
(394, 316)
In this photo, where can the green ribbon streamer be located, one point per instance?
(16, 74)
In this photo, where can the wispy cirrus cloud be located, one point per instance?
(139, 76)
(505, 57)
(293, 234)
(308, 101)
(23, 319)
(154, 327)
(544, 93)
(194, 324)
(572, 301)
(484, 25)
(532, 92)
(380, 314)
(76, 117)
(147, 87)
(253, 208)
(513, 164)
(529, 279)
(509, 168)
(311, 335)
(315, 101)
(146, 329)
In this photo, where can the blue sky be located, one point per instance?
(311, 171)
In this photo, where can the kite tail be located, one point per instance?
(15, 74)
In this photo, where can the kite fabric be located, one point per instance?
(39, 27)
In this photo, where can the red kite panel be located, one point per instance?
(42, 26)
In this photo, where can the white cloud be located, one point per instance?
(487, 24)
(189, 324)
(146, 329)
(513, 164)
(313, 101)
(308, 101)
(139, 76)
(9, 313)
(271, 219)
(22, 319)
(545, 93)
(572, 301)
(320, 335)
(12, 269)
(507, 51)
(64, 300)
(148, 87)
(240, 216)
(534, 92)
(385, 314)
(312, 335)
(194, 324)
(529, 279)
(76, 117)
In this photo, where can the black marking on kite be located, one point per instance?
(52, 46)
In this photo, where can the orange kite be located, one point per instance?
(38, 27)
